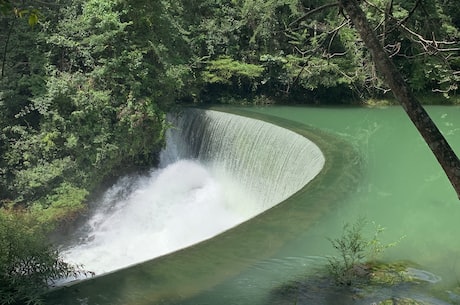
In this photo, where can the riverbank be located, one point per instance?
(427, 99)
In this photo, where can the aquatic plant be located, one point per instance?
(356, 251)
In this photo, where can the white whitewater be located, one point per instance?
(217, 171)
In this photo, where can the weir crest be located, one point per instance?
(216, 171)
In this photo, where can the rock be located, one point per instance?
(401, 301)
(375, 283)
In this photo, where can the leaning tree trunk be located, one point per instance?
(422, 121)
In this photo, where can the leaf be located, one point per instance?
(33, 19)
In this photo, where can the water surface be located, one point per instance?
(381, 170)
(403, 188)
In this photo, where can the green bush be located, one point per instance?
(356, 251)
(28, 262)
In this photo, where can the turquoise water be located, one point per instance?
(381, 170)
(403, 188)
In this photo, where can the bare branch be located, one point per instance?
(344, 23)
(412, 11)
(431, 46)
(451, 87)
(334, 33)
(332, 55)
(313, 11)
(393, 49)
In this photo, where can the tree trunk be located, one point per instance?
(422, 121)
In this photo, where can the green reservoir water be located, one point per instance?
(403, 188)
(379, 168)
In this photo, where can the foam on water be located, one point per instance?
(170, 209)
(217, 171)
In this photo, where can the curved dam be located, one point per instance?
(267, 162)
(188, 220)
(216, 171)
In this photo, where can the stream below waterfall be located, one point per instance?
(169, 209)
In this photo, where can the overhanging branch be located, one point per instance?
(313, 11)
(420, 118)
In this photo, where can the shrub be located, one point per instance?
(355, 250)
(28, 262)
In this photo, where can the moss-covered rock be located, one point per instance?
(401, 301)
(378, 283)
(389, 273)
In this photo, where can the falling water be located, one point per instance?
(217, 171)
(271, 162)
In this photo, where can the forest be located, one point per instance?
(85, 86)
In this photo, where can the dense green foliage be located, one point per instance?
(306, 55)
(85, 84)
(28, 263)
(84, 91)
(82, 96)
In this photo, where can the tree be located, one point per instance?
(84, 94)
(422, 121)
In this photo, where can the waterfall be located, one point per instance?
(270, 162)
(216, 171)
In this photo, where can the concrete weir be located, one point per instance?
(272, 173)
